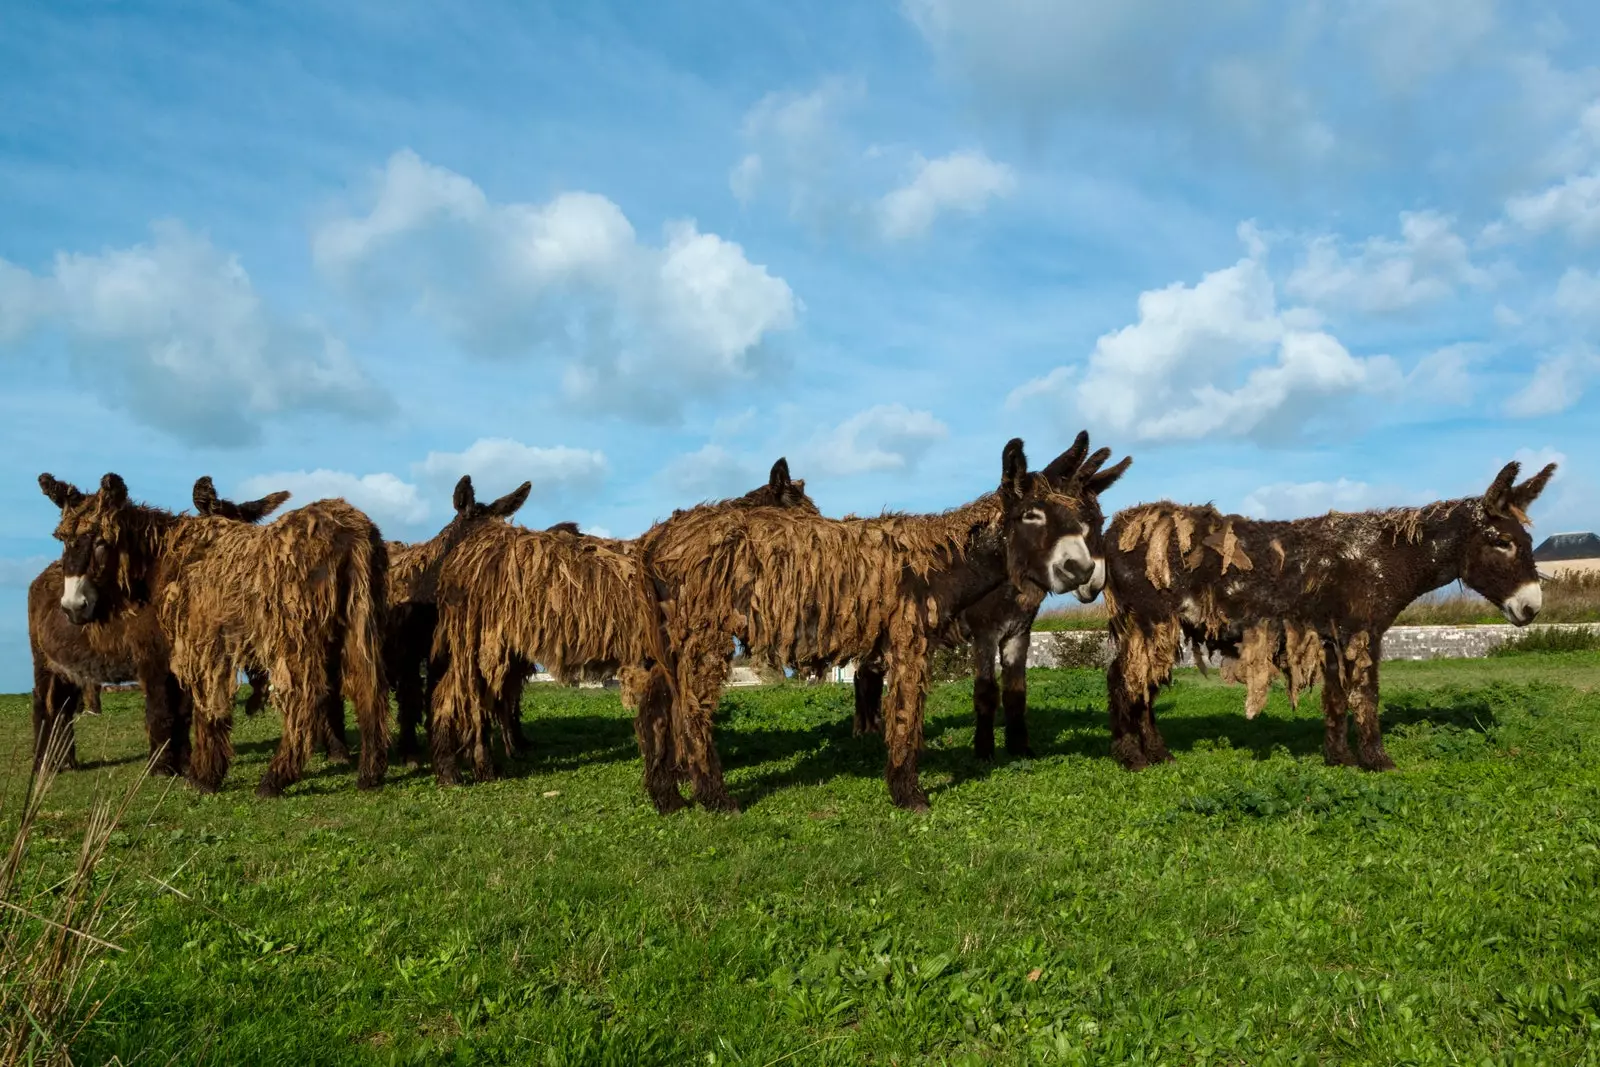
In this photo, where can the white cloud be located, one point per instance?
(17, 573)
(1445, 374)
(175, 332)
(384, 497)
(744, 178)
(1289, 500)
(1053, 384)
(796, 144)
(1383, 275)
(961, 181)
(595, 531)
(1558, 383)
(639, 327)
(1571, 206)
(883, 437)
(1578, 294)
(710, 473)
(1162, 377)
(499, 464)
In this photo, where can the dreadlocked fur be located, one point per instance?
(807, 592)
(304, 597)
(413, 614)
(1308, 599)
(510, 597)
(71, 662)
(1001, 625)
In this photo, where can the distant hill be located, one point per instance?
(1565, 546)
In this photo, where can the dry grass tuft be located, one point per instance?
(54, 934)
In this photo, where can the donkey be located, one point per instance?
(414, 613)
(509, 598)
(302, 596)
(1314, 595)
(1002, 623)
(71, 662)
(805, 591)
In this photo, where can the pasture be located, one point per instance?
(1244, 905)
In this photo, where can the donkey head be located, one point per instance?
(1047, 523)
(470, 514)
(1083, 479)
(97, 543)
(207, 502)
(780, 491)
(1497, 560)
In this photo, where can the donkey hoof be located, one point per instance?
(269, 790)
(200, 785)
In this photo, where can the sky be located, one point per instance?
(1289, 255)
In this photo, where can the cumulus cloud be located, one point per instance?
(384, 497)
(174, 332)
(961, 181)
(499, 464)
(881, 438)
(639, 327)
(1570, 207)
(17, 573)
(796, 144)
(1558, 383)
(1166, 376)
(1289, 500)
(1383, 275)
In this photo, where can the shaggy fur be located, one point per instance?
(304, 597)
(808, 592)
(413, 612)
(509, 598)
(71, 663)
(1311, 598)
(1001, 626)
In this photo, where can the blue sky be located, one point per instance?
(1289, 255)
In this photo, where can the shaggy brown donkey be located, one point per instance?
(578, 605)
(303, 596)
(1001, 624)
(413, 611)
(805, 592)
(1315, 594)
(71, 663)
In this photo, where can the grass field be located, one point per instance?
(1244, 905)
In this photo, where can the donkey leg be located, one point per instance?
(182, 708)
(869, 700)
(1335, 704)
(363, 673)
(161, 714)
(1125, 713)
(301, 705)
(508, 714)
(703, 663)
(91, 700)
(651, 697)
(1014, 693)
(213, 730)
(908, 685)
(405, 674)
(1363, 694)
(1150, 739)
(55, 705)
(257, 678)
(985, 695)
(329, 725)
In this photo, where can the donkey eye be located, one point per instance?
(1034, 517)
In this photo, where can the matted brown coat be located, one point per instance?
(1311, 596)
(303, 597)
(804, 591)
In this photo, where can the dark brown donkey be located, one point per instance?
(1315, 594)
(71, 663)
(302, 596)
(1001, 624)
(806, 592)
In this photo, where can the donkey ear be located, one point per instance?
(564, 527)
(465, 495)
(204, 495)
(1014, 469)
(256, 510)
(1529, 491)
(114, 489)
(1065, 465)
(779, 479)
(62, 494)
(507, 505)
(1103, 480)
(1497, 498)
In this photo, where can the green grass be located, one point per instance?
(1244, 905)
